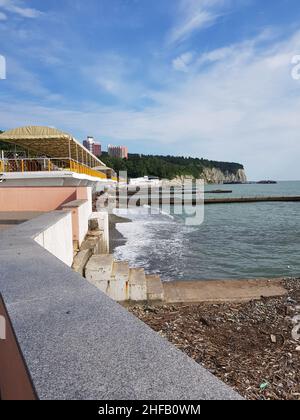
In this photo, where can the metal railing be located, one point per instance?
(48, 165)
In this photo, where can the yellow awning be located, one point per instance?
(50, 142)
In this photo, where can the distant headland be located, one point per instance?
(176, 167)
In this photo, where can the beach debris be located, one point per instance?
(273, 339)
(236, 341)
(204, 321)
(292, 301)
(264, 386)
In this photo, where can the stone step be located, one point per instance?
(155, 290)
(137, 285)
(98, 271)
(80, 261)
(119, 283)
(120, 269)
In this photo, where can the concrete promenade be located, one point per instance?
(79, 344)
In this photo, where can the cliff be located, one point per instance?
(215, 176)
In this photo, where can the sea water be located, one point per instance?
(236, 241)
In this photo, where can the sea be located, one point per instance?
(235, 241)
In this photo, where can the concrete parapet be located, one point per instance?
(57, 238)
(80, 218)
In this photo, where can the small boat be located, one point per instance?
(233, 183)
(267, 182)
(219, 192)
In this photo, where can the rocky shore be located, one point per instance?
(252, 346)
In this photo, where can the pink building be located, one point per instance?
(93, 146)
(120, 152)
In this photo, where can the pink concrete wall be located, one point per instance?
(39, 198)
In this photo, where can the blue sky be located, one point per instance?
(207, 78)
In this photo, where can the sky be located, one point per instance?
(201, 78)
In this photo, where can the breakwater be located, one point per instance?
(173, 201)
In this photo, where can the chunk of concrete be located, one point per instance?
(81, 260)
(92, 243)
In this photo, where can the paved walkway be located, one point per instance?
(221, 290)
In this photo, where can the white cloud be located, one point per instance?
(215, 55)
(194, 15)
(17, 7)
(182, 62)
(3, 16)
(114, 75)
(21, 80)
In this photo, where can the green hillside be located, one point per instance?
(168, 167)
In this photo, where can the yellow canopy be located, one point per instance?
(50, 142)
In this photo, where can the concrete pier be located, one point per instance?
(252, 199)
(173, 200)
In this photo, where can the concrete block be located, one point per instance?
(81, 260)
(100, 220)
(93, 244)
(155, 290)
(119, 283)
(98, 271)
(137, 285)
(101, 243)
(93, 224)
